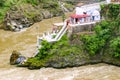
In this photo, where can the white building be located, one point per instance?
(108, 1)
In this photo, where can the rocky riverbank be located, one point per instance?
(23, 15)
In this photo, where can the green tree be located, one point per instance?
(2, 3)
(107, 32)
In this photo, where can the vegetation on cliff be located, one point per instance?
(23, 13)
(107, 32)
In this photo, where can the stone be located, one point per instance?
(17, 58)
(13, 23)
(16, 29)
(20, 26)
(37, 18)
(14, 56)
(20, 60)
(12, 28)
(46, 14)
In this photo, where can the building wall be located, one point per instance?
(83, 28)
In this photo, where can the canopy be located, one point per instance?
(79, 16)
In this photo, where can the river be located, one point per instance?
(25, 42)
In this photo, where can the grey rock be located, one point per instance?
(16, 58)
(20, 59)
(20, 26)
(46, 14)
(16, 29)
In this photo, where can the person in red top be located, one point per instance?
(68, 21)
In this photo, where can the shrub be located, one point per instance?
(115, 45)
(92, 43)
(105, 32)
(2, 3)
(44, 50)
(33, 2)
(110, 11)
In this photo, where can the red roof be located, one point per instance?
(79, 16)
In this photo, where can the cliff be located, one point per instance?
(18, 14)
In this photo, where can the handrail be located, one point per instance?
(61, 32)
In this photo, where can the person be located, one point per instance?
(68, 21)
(95, 15)
(76, 20)
(85, 18)
(71, 21)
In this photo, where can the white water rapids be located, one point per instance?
(89, 72)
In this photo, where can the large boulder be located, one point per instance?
(16, 58)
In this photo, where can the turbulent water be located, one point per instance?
(89, 72)
(25, 42)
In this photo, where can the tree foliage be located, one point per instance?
(107, 32)
(110, 11)
(44, 50)
(47, 47)
(115, 45)
(2, 3)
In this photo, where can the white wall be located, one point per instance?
(108, 1)
(79, 10)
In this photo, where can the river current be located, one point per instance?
(25, 42)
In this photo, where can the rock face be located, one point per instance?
(73, 61)
(83, 28)
(80, 58)
(16, 58)
(19, 17)
(15, 55)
